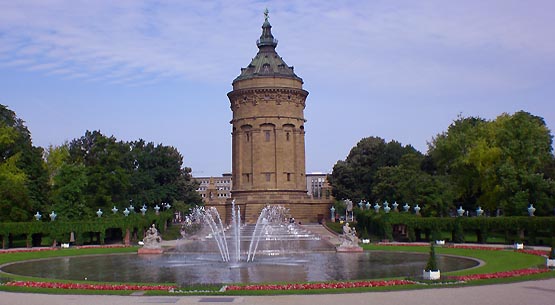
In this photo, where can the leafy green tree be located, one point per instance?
(108, 168)
(407, 182)
(56, 157)
(158, 175)
(450, 153)
(14, 199)
(68, 193)
(355, 177)
(498, 164)
(118, 173)
(23, 185)
(525, 150)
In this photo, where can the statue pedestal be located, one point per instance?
(350, 248)
(150, 251)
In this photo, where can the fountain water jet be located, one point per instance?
(269, 226)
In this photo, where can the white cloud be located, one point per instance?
(391, 44)
(407, 67)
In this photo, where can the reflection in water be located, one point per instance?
(194, 268)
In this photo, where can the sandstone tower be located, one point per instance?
(268, 137)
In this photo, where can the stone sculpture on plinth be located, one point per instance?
(349, 240)
(152, 242)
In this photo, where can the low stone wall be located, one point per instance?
(304, 211)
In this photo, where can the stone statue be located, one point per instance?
(349, 205)
(350, 238)
(152, 239)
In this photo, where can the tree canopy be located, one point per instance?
(355, 177)
(23, 177)
(78, 177)
(502, 165)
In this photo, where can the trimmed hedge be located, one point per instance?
(521, 228)
(61, 230)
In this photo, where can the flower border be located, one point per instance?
(84, 286)
(330, 285)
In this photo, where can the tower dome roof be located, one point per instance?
(267, 63)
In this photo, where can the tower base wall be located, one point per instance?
(304, 210)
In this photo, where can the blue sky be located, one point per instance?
(160, 70)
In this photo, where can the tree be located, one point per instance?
(68, 193)
(407, 182)
(525, 149)
(56, 157)
(450, 152)
(118, 172)
(158, 175)
(108, 168)
(14, 198)
(431, 265)
(498, 164)
(23, 182)
(355, 177)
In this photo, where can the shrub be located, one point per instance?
(432, 261)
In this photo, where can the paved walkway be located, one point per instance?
(528, 293)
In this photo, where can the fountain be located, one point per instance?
(272, 225)
(272, 250)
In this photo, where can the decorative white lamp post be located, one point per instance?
(143, 210)
(126, 212)
(99, 213)
(386, 207)
(479, 211)
(460, 211)
(531, 210)
(417, 209)
(53, 216)
(395, 205)
(38, 216)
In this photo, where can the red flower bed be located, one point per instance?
(415, 244)
(305, 286)
(103, 246)
(471, 247)
(498, 275)
(534, 252)
(88, 286)
(21, 250)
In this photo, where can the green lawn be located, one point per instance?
(495, 261)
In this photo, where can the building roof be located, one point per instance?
(267, 63)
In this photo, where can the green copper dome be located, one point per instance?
(267, 63)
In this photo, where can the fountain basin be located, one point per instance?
(207, 268)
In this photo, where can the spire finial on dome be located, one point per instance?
(266, 39)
